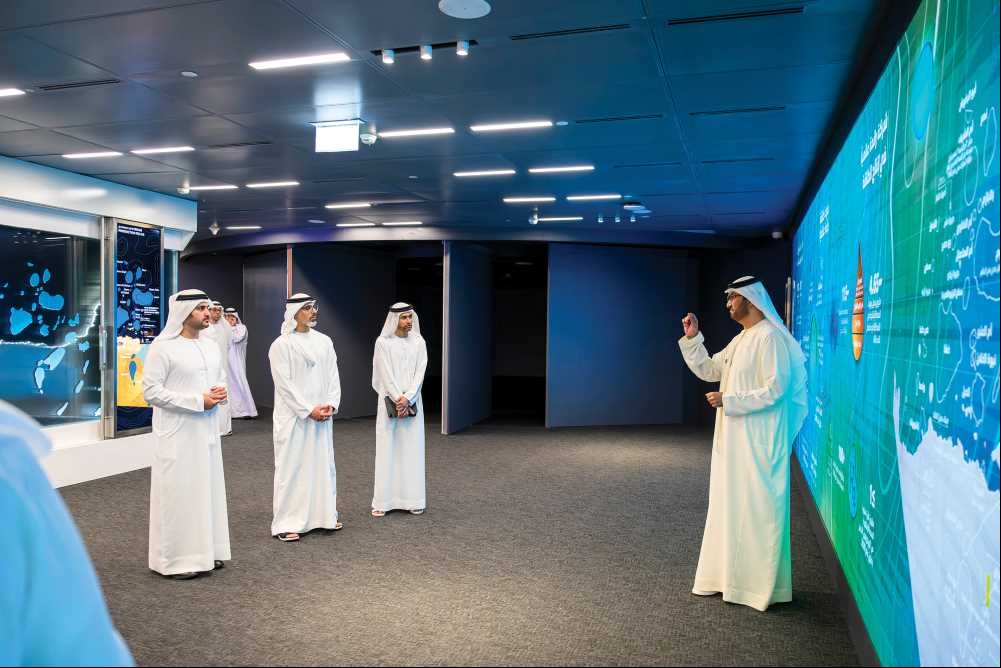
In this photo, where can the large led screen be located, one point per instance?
(895, 302)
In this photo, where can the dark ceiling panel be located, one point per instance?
(37, 12)
(250, 91)
(363, 24)
(200, 132)
(100, 104)
(25, 63)
(42, 142)
(10, 125)
(188, 36)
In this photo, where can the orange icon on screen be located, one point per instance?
(858, 310)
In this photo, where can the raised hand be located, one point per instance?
(690, 324)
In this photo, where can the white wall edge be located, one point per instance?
(55, 188)
(82, 462)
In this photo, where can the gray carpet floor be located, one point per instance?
(563, 547)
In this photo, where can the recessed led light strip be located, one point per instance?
(348, 205)
(417, 132)
(273, 184)
(593, 198)
(404, 223)
(557, 170)
(485, 172)
(164, 149)
(501, 127)
(528, 200)
(355, 225)
(560, 219)
(92, 154)
(223, 187)
(243, 227)
(300, 61)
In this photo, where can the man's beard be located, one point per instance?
(740, 312)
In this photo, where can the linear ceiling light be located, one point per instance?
(164, 149)
(355, 225)
(527, 200)
(10, 92)
(273, 184)
(95, 154)
(243, 227)
(299, 61)
(592, 198)
(485, 172)
(225, 187)
(404, 223)
(561, 219)
(557, 170)
(500, 127)
(349, 205)
(418, 132)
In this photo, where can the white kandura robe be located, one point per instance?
(400, 363)
(745, 548)
(304, 369)
(188, 524)
(241, 401)
(220, 334)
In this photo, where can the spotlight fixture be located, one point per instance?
(189, 74)
(426, 52)
(316, 221)
(214, 228)
(462, 47)
(617, 218)
(388, 56)
(601, 219)
(632, 218)
(777, 234)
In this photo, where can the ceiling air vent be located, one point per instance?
(569, 32)
(78, 84)
(241, 144)
(616, 119)
(736, 16)
(727, 161)
(745, 110)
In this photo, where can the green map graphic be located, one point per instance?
(896, 304)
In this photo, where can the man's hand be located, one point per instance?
(321, 413)
(213, 397)
(715, 399)
(402, 404)
(691, 325)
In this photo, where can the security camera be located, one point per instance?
(367, 134)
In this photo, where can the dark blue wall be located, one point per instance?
(355, 288)
(614, 321)
(468, 345)
(263, 307)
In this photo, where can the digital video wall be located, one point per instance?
(896, 304)
(50, 298)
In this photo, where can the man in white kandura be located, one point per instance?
(761, 404)
(401, 358)
(241, 401)
(219, 332)
(184, 380)
(307, 394)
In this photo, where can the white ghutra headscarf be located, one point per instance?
(393, 320)
(753, 290)
(180, 307)
(293, 305)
